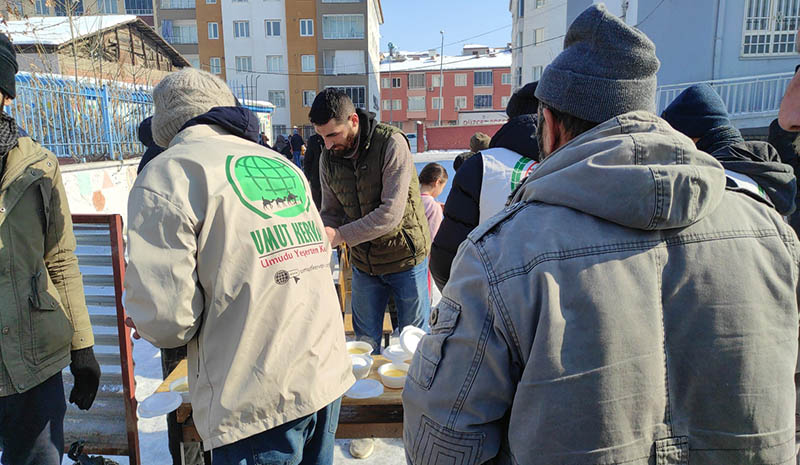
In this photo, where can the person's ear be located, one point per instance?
(552, 134)
(354, 120)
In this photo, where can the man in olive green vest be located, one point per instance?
(371, 202)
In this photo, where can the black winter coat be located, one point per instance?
(311, 167)
(462, 209)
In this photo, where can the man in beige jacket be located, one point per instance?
(228, 255)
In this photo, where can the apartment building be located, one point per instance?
(477, 86)
(176, 21)
(745, 48)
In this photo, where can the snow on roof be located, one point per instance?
(496, 60)
(55, 30)
(475, 46)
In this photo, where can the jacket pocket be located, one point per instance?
(51, 330)
(409, 243)
(429, 353)
(45, 211)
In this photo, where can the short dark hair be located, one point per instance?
(432, 173)
(331, 104)
(573, 125)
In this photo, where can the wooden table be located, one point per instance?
(379, 417)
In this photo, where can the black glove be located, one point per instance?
(86, 371)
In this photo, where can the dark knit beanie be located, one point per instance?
(606, 69)
(524, 101)
(8, 67)
(696, 111)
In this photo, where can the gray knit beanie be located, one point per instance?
(183, 95)
(607, 69)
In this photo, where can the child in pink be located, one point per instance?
(432, 180)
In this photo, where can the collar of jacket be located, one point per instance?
(366, 126)
(19, 159)
(634, 170)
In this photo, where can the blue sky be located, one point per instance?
(414, 25)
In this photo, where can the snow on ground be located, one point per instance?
(437, 155)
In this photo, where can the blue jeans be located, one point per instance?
(32, 424)
(296, 155)
(306, 441)
(371, 295)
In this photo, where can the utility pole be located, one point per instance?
(441, 78)
(391, 102)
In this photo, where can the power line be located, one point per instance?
(649, 14)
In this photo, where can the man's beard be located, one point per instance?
(349, 146)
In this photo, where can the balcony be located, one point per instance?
(752, 101)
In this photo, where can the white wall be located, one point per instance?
(100, 187)
(553, 18)
(257, 46)
(373, 59)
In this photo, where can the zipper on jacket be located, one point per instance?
(34, 298)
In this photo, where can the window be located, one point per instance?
(274, 63)
(108, 7)
(279, 130)
(416, 81)
(436, 103)
(42, 8)
(504, 101)
(392, 104)
(461, 103)
(213, 31)
(397, 104)
(519, 39)
(385, 83)
(343, 27)
(61, 7)
(538, 36)
(177, 4)
(518, 76)
(344, 62)
(195, 62)
(308, 63)
(357, 94)
(134, 7)
(436, 80)
(770, 27)
(277, 98)
(461, 80)
(416, 103)
(306, 27)
(483, 101)
(241, 29)
(540, 3)
(215, 65)
(308, 97)
(387, 105)
(396, 83)
(506, 79)
(176, 32)
(520, 8)
(483, 79)
(537, 73)
(272, 27)
(341, 1)
(244, 64)
(211, 2)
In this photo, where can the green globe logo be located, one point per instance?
(267, 186)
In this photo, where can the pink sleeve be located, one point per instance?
(433, 211)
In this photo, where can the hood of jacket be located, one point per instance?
(518, 135)
(146, 132)
(366, 126)
(634, 170)
(238, 121)
(760, 161)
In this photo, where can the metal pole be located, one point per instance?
(441, 78)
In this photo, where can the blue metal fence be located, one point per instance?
(80, 120)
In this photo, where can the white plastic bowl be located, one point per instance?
(396, 354)
(185, 395)
(394, 382)
(362, 364)
(359, 348)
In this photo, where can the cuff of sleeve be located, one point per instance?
(82, 339)
(347, 235)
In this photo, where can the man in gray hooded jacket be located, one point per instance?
(650, 318)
